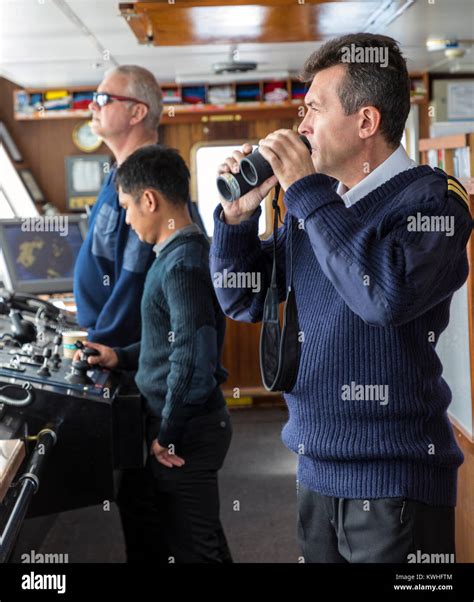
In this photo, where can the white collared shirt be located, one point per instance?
(397, 162)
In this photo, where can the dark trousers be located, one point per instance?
(401, 530)
(171, 515)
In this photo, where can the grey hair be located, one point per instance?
(142, 85)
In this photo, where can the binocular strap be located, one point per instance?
(280, 347)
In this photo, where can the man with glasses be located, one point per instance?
(112, 264)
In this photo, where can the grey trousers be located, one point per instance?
(400, 530)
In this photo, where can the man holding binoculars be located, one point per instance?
(367, 414)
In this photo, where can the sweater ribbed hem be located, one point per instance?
(233, 240)
(432, 485)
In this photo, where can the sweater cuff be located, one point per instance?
(171, 433)
(306, 195)
(127, 359)
(232, 240)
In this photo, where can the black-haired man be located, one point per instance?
(377, 458)
(174, 517)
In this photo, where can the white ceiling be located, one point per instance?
(42, 46)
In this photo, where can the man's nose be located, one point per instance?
(93, 106)
(304, 127)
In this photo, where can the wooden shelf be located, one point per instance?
(418, 101)
(446, 148)
(70, 114)
(34, 114)
(179, 109)
(235, 106)
(444, 142)
(194, 111)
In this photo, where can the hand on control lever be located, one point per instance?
(96, 354)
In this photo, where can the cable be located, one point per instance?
(19, 403)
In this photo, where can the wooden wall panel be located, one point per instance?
(241, 355)
(44, 146)
(183, 136)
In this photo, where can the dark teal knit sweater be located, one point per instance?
(178, 357)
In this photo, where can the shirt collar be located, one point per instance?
(397, 162)
(189, 229)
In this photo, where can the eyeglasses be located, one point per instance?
(104, 98)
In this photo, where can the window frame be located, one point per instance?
(266, 203)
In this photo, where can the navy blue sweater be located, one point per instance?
(367, 415)
(110, 272)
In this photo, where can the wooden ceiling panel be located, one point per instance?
(189, 22)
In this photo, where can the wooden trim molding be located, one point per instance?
(443, 142)
(462, 431)
(470, 313)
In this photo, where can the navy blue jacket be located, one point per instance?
(110, 272)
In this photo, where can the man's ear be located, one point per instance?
(139, 113)
(151, 200)
(369, 121)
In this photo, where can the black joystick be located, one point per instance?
(44, 370)
(56, 358)
(89, 351)
(78, 374)
(22, 330)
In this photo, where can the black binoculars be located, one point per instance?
(254, 170)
